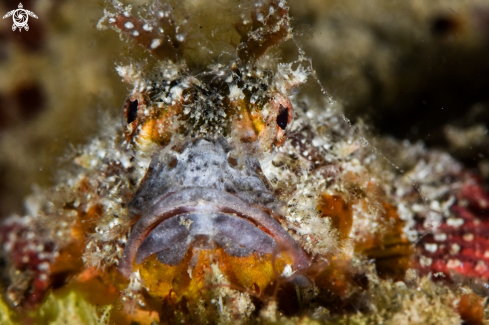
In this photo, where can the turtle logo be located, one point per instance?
(20, 17)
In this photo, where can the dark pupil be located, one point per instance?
(132, 111)
(283, 117)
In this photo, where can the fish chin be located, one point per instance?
(197, 197)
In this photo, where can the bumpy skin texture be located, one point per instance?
(225, 198)
(206, 164)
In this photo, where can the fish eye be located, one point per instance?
(131, 111)
(283, 117)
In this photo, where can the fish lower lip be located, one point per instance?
(212, 211)
(172, 237)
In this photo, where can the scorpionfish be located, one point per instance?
(226, 196)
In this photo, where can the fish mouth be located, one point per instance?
(199, 195)
(180, 219)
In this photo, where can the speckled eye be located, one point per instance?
(131, 110)
(283, 117)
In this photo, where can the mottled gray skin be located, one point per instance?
(199, 196)
(203, 163)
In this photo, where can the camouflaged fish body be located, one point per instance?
(224, 198)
